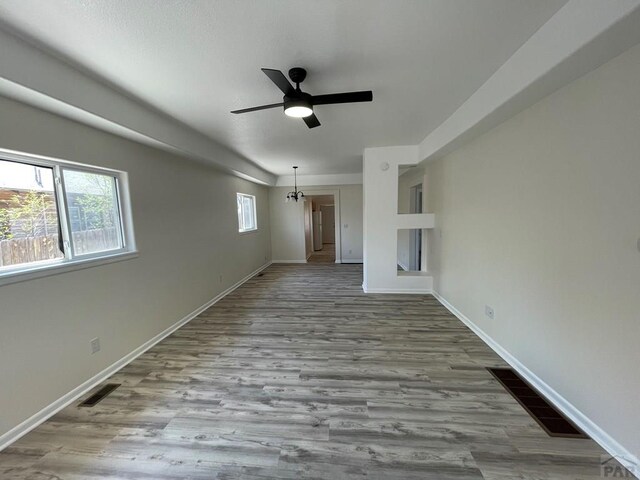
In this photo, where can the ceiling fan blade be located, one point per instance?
(262, 107)
(348, 97)
(280, 80)
(312, 121)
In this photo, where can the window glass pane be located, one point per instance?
(240, 216)
(248, 213)
(94, 215)
(28, 215)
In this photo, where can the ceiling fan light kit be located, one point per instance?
(299, 104)
(297, 107)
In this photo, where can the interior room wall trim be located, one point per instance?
(352, 260)
(47, 412)
(606, 441)
(414, 291)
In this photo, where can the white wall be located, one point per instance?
(540, 219)
(287, 227)
(186, 229)
(350, 222)
(287, 222)
(382, 222)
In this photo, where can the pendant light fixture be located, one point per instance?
(296, 194)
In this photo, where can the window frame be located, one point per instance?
(70, 261)
(240, 195)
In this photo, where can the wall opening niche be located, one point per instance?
(410, 189)
(411, 248)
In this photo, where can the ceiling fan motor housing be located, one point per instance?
(300, 99)
(297, 74)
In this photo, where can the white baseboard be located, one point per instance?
(606, 441)
(352, 260)
(288, 261)
(413, 291)
(32, 422)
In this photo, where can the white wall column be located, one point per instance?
(381, 222)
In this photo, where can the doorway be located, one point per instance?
(323, 228)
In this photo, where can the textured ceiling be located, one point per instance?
(197, 60)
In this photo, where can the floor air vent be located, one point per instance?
(99, 395)
(550, 419)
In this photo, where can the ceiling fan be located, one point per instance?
(299, 104)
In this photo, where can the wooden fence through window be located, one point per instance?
(36, 249)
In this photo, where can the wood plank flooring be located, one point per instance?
(299, 375)
(326, 255)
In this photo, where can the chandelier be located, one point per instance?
(296, 194)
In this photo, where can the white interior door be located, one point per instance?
(328, 224)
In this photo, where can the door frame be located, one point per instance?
(309, 191)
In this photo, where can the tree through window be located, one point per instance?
(52, 212)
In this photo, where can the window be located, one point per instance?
(246, 213)
(55, 214)
(93, 211)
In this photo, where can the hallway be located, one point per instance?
(326, 255)
(298, 375)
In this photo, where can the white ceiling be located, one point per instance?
(197, 60)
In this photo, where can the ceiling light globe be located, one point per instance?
(298, 111)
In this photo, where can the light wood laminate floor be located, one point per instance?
(299, 375)
(326, 255)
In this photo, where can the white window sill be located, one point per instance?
(46, 270)
(244, 232)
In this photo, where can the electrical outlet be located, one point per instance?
(489, 312)
(95, 345)
(350, 251)
(220, 278)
